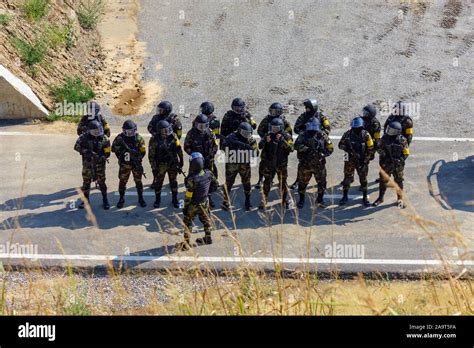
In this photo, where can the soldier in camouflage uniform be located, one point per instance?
(393, 150)
(275, 111)
(371, 123)
(276, 146)
(313, 146)
(359, 148)
(199, 183)
(93, 114)
(164, 113)
(166, 157)
(201, 139)
(94, 147)
(129, 147)
(240, 148)
(399, 114)
(311, 111)
(233, 118)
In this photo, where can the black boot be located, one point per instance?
(345, 197)
(157, 200)
(206, 240)
(174, 200)
(320, 200)
(248, 205)
(121, 201)
(105, 201)
(302, 201)
(380, 198)
(83, 202)
(365, 199)
(400, 202)
(141, 201)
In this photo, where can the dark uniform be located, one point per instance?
(199, 183)
(201, 139)
(240, 148)
(276, 146)
(371, 123)
(130, 148)
(313, 146)
(166, 157)
(93, 114)
(312, 111)
(94, 147)
(359, 146)
(165, 114)
(233, 118)
(393, 150)
(405, 121)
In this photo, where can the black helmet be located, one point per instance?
(311, 104)
(245, 130)
(238, 105)
(129, 128)
(207, 108)
(369, 112)
(314, 125)
(201, 123)
(164, 108)
(276, 109)
(394, 129)
(196, 162)
(276, 126)
(164, 128)
(357, 123)
(93, 110)
(95, 129)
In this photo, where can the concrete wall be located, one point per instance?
(17, 100)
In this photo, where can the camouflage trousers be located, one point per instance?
(159, 177)
(125, 171)
(391, 170)
(306, 172)
(350, 167)
(201, 210)
(211, 165)
(88, 170)
(269, 173)
(231, 172)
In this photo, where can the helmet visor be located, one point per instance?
(275, 112)
(202, 127)
(238, 109)
(393, 131)
(129, 132)
(166, 131)
(246, 133)
(161, 111)
(95, 132)
(275, 129)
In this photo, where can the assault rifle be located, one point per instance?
(135, 157)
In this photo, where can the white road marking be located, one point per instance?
(333, 137)
(224, 259)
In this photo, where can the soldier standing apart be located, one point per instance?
(276, 146)
(275, 111)
(201, 139)
(199, 183)
(359, 148)
(313, 146)
(234, 117)
(399, 114)
(164, 113)
(93, 114)
(129, 147)
(393, 150)
(311, 111)
(166, 157)
(94, 147)
(240, 148)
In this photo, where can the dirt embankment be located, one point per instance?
(123, 87)
(81, 56)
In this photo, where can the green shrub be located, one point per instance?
(31, 54)
(4, 19)
(53, 117)
(56, 36)
(73, 90)
(70, 35)
(35, 9)
(89, 13)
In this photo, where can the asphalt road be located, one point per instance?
(41, 173)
